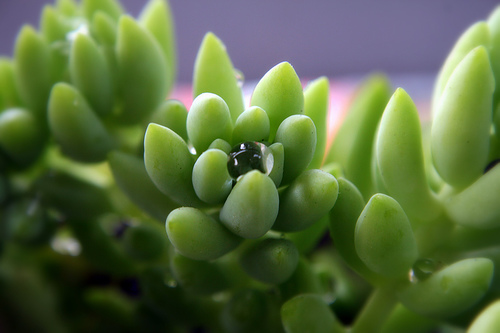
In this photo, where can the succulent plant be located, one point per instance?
(123, 210)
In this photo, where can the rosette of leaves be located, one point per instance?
(89, 71)
(417, 209)
(243, 175)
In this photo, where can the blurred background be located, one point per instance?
(320, 37)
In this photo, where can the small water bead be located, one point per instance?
(422, 269)
(248, 156)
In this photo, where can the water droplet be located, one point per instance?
(248, 156)
(422, 269)
(240, 78)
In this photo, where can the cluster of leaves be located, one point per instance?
(394, 228)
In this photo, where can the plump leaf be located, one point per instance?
(309, 313)
(384, 238)
(157, 18)
(211, 180)
(271, 260)
(297, 134)
(316, 103)
(308, 198)
(90, 74)
(251, 125)
(76, 127)
(252, 206)
(279, 93)
(32, 70)
(400, 158)
(214, 73)
(208, 119)
(21, 137)
(451, 290)
(461, 129)
(170, 164)
(197, 235)
(142, 71)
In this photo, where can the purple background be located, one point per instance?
(322, 37)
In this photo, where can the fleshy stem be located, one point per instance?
(376, 311)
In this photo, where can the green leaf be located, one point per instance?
(297, 134)
(488, 321)
(197, 235)
(53, 25)
(221, 145)
(131, 176)
(142, 71)
(461, 129)
(476, 35)
(477, 205)
(208, 119)
(9, 95)
(172, 114)
(384, 238)
(214, 73)
(170, 164)
(308, 198)
(279, 93)
(67, 7)
(271, 260)
(110, 7)
(157, 18)
(451, 290)
(248, 311)
(343, 218)
(90, 74)
(353, 144)
(252, 206)
(104, 28)
(309, 313)
(21, 137)
(211, 180)
(80, 133)
(32, 70)
(400, 160)
(316, 103)
(251, 125)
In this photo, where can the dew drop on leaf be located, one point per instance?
(248, 156)
(422, 269)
